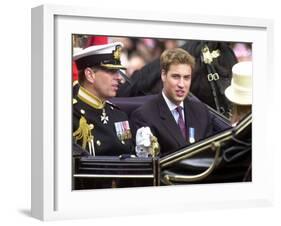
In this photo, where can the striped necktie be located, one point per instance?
(181, 122)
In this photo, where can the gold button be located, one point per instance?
(74, 101)
(98, 143)
(122, 141)
(82, 111)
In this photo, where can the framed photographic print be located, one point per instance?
(68, 167)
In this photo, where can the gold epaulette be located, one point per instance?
(84, 132)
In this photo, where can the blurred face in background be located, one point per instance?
(135, 63)
(176, 82)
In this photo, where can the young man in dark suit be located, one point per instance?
(173, 117)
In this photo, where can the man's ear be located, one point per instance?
(89, 75)
(163, 75)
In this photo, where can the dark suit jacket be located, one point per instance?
(156, 114)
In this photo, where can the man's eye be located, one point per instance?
(112, 71)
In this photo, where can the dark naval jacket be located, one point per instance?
(99, 129)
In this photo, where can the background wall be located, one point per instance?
(15, 113)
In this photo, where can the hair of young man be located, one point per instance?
(175, 56)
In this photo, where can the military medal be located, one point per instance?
(123, 131)
(191, 135)
(127, 130)
(104, 117)
(118, 129)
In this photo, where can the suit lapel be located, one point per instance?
(190, 119)
(169, 122)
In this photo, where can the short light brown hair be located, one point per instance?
(175, 56)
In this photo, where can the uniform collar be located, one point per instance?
(90, 99)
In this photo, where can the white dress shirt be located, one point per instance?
(173, 107)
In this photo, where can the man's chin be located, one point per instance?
(113, 94)
(180, 98)
(177, 101)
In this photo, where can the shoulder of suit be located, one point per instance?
(193, 101)
(152, 100)
(192, 98)
(147, 109)
(152, 103)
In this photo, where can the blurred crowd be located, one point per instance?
(137, 52)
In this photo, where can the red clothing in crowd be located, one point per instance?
(97, 40)
(93, 40)
(74, 71)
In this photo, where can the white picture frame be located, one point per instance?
(52, 197)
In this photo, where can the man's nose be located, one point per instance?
(181, 82)
(117, 76)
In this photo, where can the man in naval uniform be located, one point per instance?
(99, 127)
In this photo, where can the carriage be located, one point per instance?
(220, 158)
